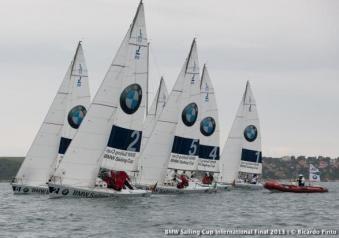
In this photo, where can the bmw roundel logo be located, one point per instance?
(25, 190)
(207, 126)
(65, 192)
(315, 176)
(250, 133)
(190, 114)
(76, 115)
(130, 98)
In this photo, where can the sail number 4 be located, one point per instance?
(214, 153)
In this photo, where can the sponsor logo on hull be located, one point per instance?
(21, 189)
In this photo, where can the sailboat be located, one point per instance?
(174, 142)
(63, 119)
(241, 159)
(110, 136)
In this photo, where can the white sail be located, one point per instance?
(77, 103)
(155, 157)
(242, 151)
(209, 151)
(126, 134)
(231, 154)
(35, 170)
(185, 150)
(82, 161)
(156, 108)
(251, 157)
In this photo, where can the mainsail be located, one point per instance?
(242, 151)
(171, 139)
(43, 152)
(128, 71)
(209, 151)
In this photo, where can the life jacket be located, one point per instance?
(120, 179)
(123, 175)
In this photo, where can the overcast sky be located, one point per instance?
(288, 49)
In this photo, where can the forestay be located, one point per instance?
(82, 161)
(209, 151)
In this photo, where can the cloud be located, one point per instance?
(288, 49)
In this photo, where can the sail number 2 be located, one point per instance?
(135, 138)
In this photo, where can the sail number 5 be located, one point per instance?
(194, 147)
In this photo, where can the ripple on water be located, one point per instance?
(38, 216)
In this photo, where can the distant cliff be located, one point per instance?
(9, 167)
(273, 168)
(289, 167)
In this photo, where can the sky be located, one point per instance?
(289, 50)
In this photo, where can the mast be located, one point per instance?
(147, 80)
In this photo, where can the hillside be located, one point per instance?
(273, 168)
(9, 167)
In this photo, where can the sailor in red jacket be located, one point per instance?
(122, 180)
(184, 181)
(206, 179)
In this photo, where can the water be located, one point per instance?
(39, 216)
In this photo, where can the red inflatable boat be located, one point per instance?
(276, 186)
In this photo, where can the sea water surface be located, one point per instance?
(39, 216)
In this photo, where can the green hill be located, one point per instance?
(9, 167)
(273, 168)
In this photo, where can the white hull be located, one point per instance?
(249, 186)
(58, 191)
(224, 187)
(27, 189)
(192, 188)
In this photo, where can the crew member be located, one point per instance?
(211, 178)
(122, 180)
(183, 181)
(254, 179)
(206, 179)
(301, 180)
